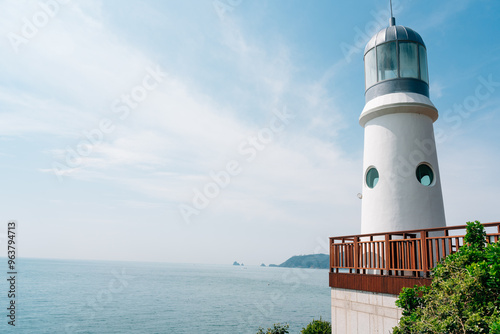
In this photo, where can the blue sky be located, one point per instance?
(116, 115)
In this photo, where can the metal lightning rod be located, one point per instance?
(393, 20)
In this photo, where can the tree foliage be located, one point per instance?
(317, 327)
(464, 296)
(276, 329)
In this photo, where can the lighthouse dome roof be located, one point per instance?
(393, 33)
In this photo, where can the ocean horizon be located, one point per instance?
(85, 296)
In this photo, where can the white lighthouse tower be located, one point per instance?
(401, 182)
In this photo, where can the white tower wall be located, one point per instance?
(399, 136)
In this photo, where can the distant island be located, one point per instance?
(314, 261)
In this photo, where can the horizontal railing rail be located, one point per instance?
(405, 253)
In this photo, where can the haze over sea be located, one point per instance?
(69, 296)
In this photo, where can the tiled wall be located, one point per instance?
(363, 312)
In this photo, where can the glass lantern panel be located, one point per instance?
(423, 64)
(387, 61)
(370, 68)
(408, 60)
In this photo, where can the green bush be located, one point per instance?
(464, 296)
(276, 329)
(475, 235)
(317, 327)
(495, 327)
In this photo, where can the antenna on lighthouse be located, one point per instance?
(393, 20)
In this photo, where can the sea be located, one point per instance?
(73, 296)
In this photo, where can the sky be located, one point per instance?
(219, 131)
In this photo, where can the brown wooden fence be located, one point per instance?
(406, 254)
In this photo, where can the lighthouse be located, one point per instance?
(401, 180)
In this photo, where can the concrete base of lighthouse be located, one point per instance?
(363, 312)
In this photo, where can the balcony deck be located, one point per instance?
(387, 262)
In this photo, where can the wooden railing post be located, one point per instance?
(387, 254)
(332, 255)
(424, 255)
(356, 255)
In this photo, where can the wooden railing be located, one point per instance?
(405, 254)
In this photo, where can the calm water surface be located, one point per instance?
(57, 296)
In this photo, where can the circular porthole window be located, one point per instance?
(372, 177)
(425, 175)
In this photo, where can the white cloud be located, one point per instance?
(74, 70)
